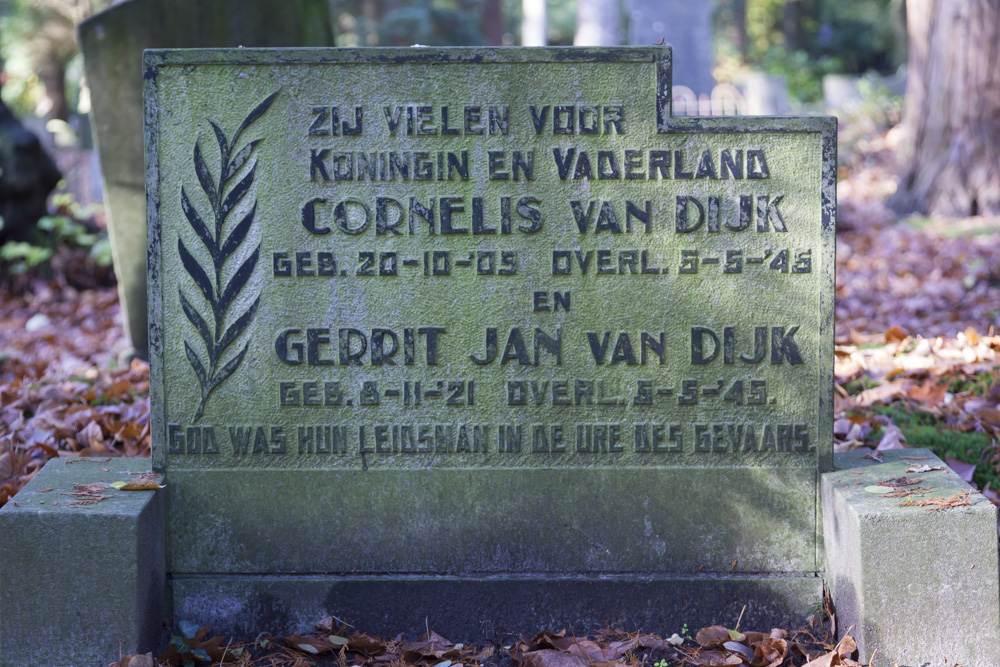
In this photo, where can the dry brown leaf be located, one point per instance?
(895, 334)
(892, 438)
(770, 652)
(960, 499)
(831, 659)
(92, 436)
(961, 468)
(716, 658)
(712, 636)
(6, 466)
(923, 468)
(900, 481)
(883, 392)
(929, 391)
(990, 416)
(309, 645)
(141, 485)
(552, 658)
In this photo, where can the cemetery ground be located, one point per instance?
(918, 338)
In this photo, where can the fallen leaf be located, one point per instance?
(961, 468)
(712, 636)
(901, 481)
(960, 499)
(895, 334)
(716, 659)
(892, 438)
(92, 436)
(737, 647)
(882, 392)
(770, 652)
(923, 468)
(141, 485)
(552, 658)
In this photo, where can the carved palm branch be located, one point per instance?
(219, 331)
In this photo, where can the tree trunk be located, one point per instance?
(740, 19)
(53, 75)
(491, 23)
(534, 24)
(951, 114)
(598, 23)
(792, 25)
(371, 13)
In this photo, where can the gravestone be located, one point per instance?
(112, 42)
(483, 339)
(684, 25)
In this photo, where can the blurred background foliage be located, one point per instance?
(799, 39)
(802, 40)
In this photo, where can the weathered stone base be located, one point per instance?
(486, 608)
(919, 587)
(77, 583)
(494, 521)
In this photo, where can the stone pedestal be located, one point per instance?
(78, 582)
(916, 585)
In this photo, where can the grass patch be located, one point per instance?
(924, 430)
(855, 387)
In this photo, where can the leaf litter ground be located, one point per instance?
(334, 643)
(918, 338)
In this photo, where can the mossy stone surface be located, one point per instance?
(917, 584)
(621, 330)
(79, 582)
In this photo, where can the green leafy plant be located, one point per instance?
(803, 74)
(21, 256)
(65, 227)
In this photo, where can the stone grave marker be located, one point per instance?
(485, 339)
(112, 42)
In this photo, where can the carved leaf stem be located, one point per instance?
(223, 197)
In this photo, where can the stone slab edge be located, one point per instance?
(77, 583)
(504, 606)
(919, 587)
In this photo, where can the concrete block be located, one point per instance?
(918, 586)
(78, 582)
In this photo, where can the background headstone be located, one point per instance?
(687, 27)
(765, 94)
(112, 43)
